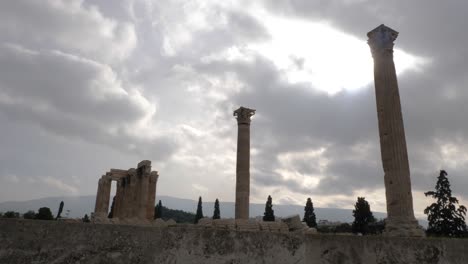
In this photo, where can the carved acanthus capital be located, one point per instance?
(243, 115)
(381, 40)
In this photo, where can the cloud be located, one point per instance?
(159, 80)
(75, 26)
(60, 185)
(11, 178)
(85, 99)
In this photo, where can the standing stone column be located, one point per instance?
(101, 208)
(400, 219)
(131, 201)
(152, 195)
(143, 177)
(118, 199)
(243, 162)
(99, 197)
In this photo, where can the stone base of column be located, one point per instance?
(403, 228)
(99, 218)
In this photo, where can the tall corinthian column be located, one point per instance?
(400, 219)
(243, 162)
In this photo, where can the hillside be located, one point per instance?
(80, 205)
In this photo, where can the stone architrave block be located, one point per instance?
(158, 222)
(274, 227)
(135, 221)
(171, 222)
(224, 224)
(205, 222)
(247, 225)
(310, 230)
(294, 222)
(284, 228)
(97, 218)
(114, 220)
(264, 226)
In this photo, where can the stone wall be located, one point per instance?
(41, 242)
(385, 250)
(34, 241)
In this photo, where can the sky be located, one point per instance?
(89, 85)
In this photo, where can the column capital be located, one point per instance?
(381, 40)
(243, 115)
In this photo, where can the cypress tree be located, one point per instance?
(309, 215)
(199, 214)
(444, 219)
(362, 216)
(85, 219)
(269, 214)
(216, 213)
(158, 210)
(59, 211)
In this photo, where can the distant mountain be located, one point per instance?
(281, 210)
(81, 205)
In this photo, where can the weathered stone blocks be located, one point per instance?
(135, 195)
(294, 223)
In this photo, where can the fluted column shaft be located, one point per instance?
(102, 197)
(152, 195)
(400, 220)
(243, 162)
(97, 205)
(392, 140)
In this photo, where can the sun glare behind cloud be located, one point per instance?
(326, 58)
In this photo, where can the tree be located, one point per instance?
(111, 213)
(59, 210)
(444, 219)
(11, 214)
(85, 219)
(377, 227)
(309, 215)
(362, 216)
(158, 210)
(343, 228)
(44, 213)
(269, 214)
(178, 215)
(29, 215)
(199, 214)
(216, 213)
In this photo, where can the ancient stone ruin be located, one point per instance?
(243, 116)
(135, 194)
(400, 220)
(241, 240)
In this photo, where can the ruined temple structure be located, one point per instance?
(135, 195)
(243, 116)
(400, 220)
